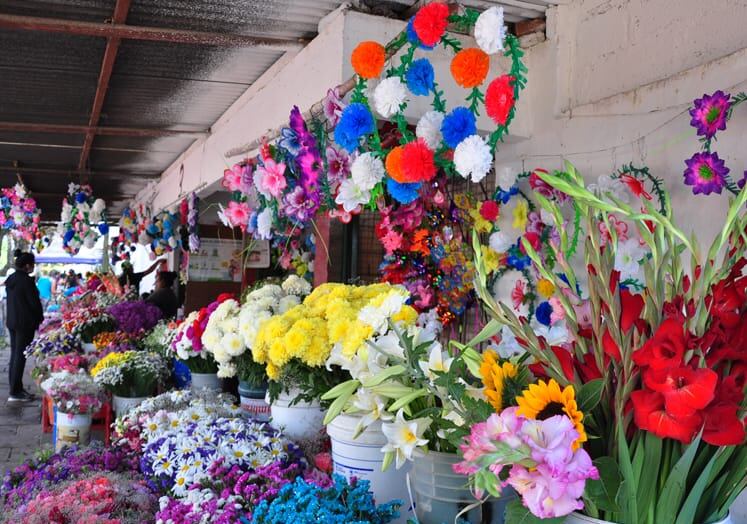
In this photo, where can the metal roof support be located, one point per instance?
(74, 172)
(131, 32)
(121, 9)
(30, 127)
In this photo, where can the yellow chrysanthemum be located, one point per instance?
(491, 259)
(544, 400)
(545, 288)
(407, 315)
(111, 360)
(493, 376)
(521, 214)
(480, 224)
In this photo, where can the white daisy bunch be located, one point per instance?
(182, 455)
(221, 337)
(182, 341)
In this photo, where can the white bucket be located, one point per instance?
(440, 495)
(301, 421)
(256, 408)
(578, 518)
(122, 405)
(362, 458)
(205, 380)
(88, 347)
(71, 430)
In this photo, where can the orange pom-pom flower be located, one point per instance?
(418, 164)
(394, 164)
(470, 66)
(368, 59)
(499, 99)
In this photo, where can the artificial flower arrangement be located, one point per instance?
(87, 316)
(132, 224)
(74, 393)
(19, 214)
(658, 369)
(134, 317)
(706, 172)
(159, 339)
(232, 328)
(295, 345)
(132, 374)
(83, 218)
(189, 214)
(71, 362)
(187, 342)
(161, 233)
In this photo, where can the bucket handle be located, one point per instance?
(467, 509)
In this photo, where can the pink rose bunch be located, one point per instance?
(543, 467)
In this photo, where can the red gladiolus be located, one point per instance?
(499, 99)
(610, 347)
(731, 388)
(534, 240)
(632, 307)
(588, 368)
(650, 415)
(417, 162)
(722, 426)
(725, 303)
(430, 23)
(665, 349)
(685, 390)
(489, 210)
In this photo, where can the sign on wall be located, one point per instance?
(219, 259)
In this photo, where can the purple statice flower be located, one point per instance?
(333, 106)
(338, 164)
(706, 172)
(135, 316)
(709, 113)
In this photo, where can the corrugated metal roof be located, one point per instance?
(50, 78)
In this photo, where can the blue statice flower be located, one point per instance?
(458, 125)
(103, 228)
(342, 503)
(543, 313)
(505, 196)
(412, 36)
(356, 121)
(420, 77)
(403, 193)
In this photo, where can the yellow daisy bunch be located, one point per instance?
(112, 360)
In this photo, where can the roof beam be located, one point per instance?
(157, 34)
(29, 127)
(72, 172)
(121, 8)
(110, 197)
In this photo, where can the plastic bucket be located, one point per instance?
(71, 430)
(578, 518)
(301, 421)
(122, 405)
(205, 380)
(253, 403)
(362, 458)
(440, 494)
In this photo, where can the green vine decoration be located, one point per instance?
(475, 98)
(518, 72)
(644, 174)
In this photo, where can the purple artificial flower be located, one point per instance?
(297, 123)
(706, 172)
(742, 180)
(338, 164)
(333, 106)
(311, 168)
(709, 113)
(300, 205)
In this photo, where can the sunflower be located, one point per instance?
(494, 375)
(543, 400)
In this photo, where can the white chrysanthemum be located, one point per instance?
(429, 129)
(350, 196)
(389, 96)
(233, 344)
(490, 30)
(264, 224)
(367, 171)
(296, 285)
(500, 242)
(505, 178)
(288, 302)
(473, 158)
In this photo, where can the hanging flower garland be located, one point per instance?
(161, 233)
(19, 214)
(189, 214)
(83, 218)
(132, 223)
(706, 172)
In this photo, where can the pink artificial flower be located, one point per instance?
(558, 312)
(333, 106)
(392, 241)
(232, 178)
(518, 294)
(621, 230)
(238, 214)
(270, 178)
(29, 205)
(286, 260)
(338, 165)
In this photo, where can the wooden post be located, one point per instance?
(321, 258)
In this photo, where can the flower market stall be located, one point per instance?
(538, 342)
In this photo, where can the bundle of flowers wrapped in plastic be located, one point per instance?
(19, 214)
(187, 342)
(83, 218)
(74, 393)
(130, 373)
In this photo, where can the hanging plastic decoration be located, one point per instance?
(19, 214)
(131, 224)
(43, 238)
(83, 218)
(189, 213)
(161, 233)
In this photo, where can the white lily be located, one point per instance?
(438, 361)
(403, 436)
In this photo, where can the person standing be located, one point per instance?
(24, 315)
(44, 285)
(164, 297)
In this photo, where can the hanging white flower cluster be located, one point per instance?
(83, 218)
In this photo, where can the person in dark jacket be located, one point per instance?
(24, 315)
(164, 296)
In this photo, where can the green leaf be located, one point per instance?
(650, 473)
(590, 394)
(383, 375)
(337, 406)
(404, 401)
(491, 329)
(687, 513)
(340, 389)
(603, 492)
(671, 495)
(627, 496)
(388, 459)
(516, 513)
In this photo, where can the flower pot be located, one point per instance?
(301, 421)
(440, 494)
(578, 518)
(88, 347)
(253, 403)
(362, 458)
(71, 430)
(122, 405)
(181, 373)
(205, 380)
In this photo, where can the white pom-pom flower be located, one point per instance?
(490, 30)
(472, 158)
(500, 242)
(505, 178)
(367, 171)
(429, 129)
(389, 96)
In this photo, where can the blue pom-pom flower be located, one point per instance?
(420, 77)
(543, 313)
(356, 121)
(403, 193)
(458, 125)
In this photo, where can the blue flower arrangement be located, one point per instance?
(342, 503)
(403, 193)
(543, 313)
(458, 125)
(420, 77)
(356, 121)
